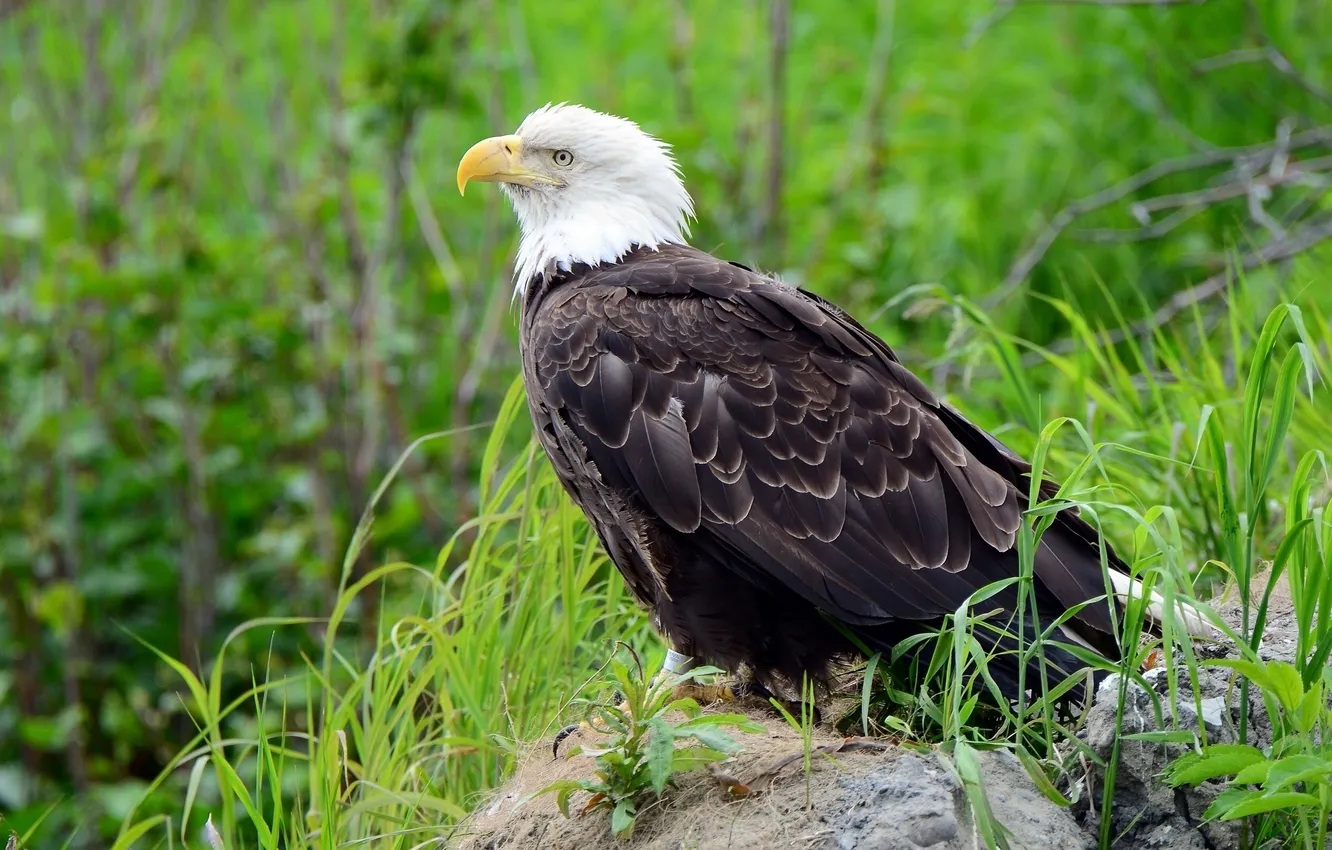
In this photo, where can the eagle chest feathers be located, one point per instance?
(688, 402)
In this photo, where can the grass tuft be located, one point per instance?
(1200, 453)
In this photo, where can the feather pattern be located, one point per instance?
(756, 442)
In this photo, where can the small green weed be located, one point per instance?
(1289, 782)
(804, 727)
(641, 758)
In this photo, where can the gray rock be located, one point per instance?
(914, 803)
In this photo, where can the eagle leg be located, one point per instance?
(677, 663)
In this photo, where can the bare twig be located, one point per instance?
(1300, 172)
(1316, 231)
(96, 92)
(1272, 56)
(1002, 8)
(1155, 230)
(1260, 155)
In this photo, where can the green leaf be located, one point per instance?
(737, 721)
(134, 833)
(660, 753)
(688, 706)
(622, 819)
(1311, 709)
(1298, 768)
(1286, 683)
(1254, 671)
(686, 759)
(1041, 780)
(1227, 800)
(1255, 802)
(562, 799)
(1254, 774)
(714, 738)
(191, 791)
(969, 771)
(865, 690)
(1216, 760)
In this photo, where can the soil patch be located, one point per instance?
(865, 796)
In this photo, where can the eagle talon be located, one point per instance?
(561, 736)
(703, 694)
(756, 690)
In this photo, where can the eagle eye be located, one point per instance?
(563, 158)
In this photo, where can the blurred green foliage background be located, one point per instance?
(236, 279)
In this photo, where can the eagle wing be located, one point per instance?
(775, 430)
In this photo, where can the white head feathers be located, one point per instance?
(613, 187)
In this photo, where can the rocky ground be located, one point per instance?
(880, 796)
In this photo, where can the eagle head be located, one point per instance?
(586, 187)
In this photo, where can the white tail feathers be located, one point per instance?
(1191, 618)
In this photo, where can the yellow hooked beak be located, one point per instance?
(497, 160)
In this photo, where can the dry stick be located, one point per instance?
(95, 92)
(1273, 57)
(1155, 230)
(452, 275)
(413, 469)
(1278, 250)
(10, 7)
(88, 114)
(846, 745)
(58, 113)
(1003, 7)
(1296, 173)
(733, 194)
(1162, 113)
(1260, 153)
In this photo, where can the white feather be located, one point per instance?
(623, 190)
(1191, 618)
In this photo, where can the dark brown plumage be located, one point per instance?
(762, 469)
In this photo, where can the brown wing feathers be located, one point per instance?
(735, 407)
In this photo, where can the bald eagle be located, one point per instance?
(776, 488)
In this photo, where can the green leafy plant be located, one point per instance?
(640, 757)
(1288, 782)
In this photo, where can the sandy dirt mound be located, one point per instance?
(886, 796)
(864, 797)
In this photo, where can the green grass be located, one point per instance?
(400, 742)
(196, 204)
(1213, 476)
(640, 755)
